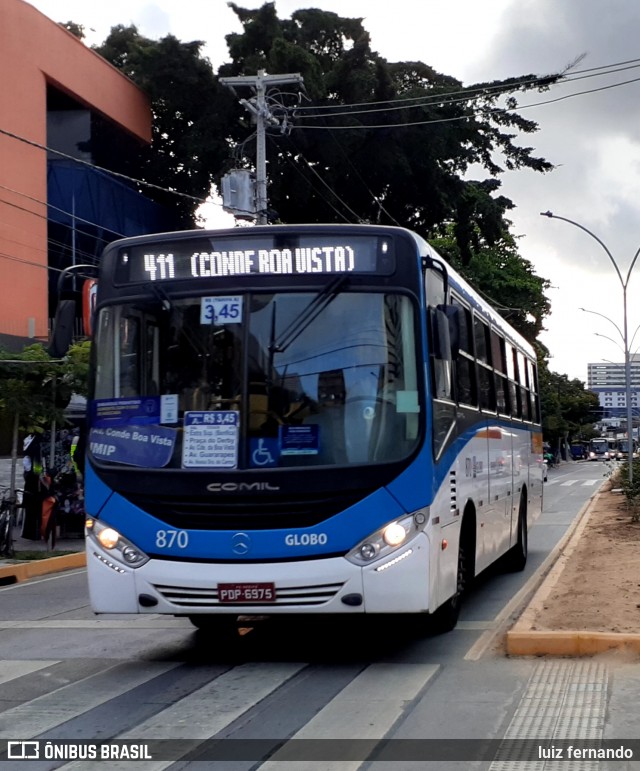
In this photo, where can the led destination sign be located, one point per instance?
(211, 258)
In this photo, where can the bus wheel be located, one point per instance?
(446, 616)
(216, 624)
(516, 557)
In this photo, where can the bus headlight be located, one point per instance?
(119, 547)
(388, 538)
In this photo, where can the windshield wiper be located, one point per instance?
(169, 307)
(306, 316)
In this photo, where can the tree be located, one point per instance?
(568, 409)
(26, 393)
(189, 120)
(511, 285)
(31, 387)
(504, 279)
(376, 141)
(75, 368)
(396, 163)
(77, 30)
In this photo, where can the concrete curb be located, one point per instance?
(523, 640)
(12, 573)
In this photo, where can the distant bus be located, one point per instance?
(601, 448)
(302, 419)
(622, 449)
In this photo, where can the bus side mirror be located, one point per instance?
(63, 326)
(453, 319)
(441, 335)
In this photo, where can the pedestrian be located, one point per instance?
(32, 501)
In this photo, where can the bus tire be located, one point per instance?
(445, 618)
(516, 557)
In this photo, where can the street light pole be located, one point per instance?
(624, 282)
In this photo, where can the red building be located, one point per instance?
(54, 92)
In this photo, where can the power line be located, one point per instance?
(497, 110)
(329, 188)
(101, 168)
(62, 224)
(13, 258)
(85, 255)
(299, 171)
(475, 91)
(375, 198)
(430, 99)
(58, 209)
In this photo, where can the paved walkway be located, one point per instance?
(67, 543)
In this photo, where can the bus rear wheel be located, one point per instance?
(516, 557)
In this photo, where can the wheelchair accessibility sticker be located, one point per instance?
(264, 452)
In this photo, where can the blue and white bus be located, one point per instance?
(302, 419)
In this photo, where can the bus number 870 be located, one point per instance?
(165, 539)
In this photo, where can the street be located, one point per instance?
(68, 675)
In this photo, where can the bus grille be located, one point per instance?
(248, 512)
(207, 597)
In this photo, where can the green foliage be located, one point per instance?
(503, 278)
(631, 489)
(191, 113)
(77, 30)
(568, 408)
(336, 163)
(27, 386)
(391, 166)
(75, 369)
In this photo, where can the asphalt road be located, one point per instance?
(67, 675)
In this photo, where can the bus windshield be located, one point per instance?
(253, 380)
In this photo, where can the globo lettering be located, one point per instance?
(306, 539)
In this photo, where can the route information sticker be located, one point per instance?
(210, 439)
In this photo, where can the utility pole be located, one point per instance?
(258, 107)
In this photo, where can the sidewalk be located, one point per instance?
(13, 570)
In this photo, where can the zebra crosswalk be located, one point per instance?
(67, 702)
(193, 707)
(173, 701)
(571, 482)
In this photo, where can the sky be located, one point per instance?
(590, 131)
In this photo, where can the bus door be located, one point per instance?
(496, 519)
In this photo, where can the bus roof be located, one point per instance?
(464, 289)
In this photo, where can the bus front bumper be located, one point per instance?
(397, 584)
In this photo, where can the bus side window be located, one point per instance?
(513, 377)
(498, 356)
(129, 384)
(464, 365)
(440, 361)
(486, 382)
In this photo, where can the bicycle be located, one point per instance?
(8, 506)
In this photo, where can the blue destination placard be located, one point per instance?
(134, 411)
(299, 440)
(145, 446)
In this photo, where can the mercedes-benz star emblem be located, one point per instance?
(240, 543)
